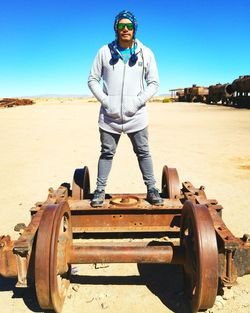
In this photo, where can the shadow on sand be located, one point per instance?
(164, 281)
(27, 294)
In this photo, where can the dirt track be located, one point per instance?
(41, 145)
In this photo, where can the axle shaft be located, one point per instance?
(81, 254)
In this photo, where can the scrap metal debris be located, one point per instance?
(11, 102)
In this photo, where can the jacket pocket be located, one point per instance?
(112, 106)
(131, 105)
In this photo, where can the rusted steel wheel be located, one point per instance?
(170, 184)
(81, 184)
(201, 256)
(52, 271)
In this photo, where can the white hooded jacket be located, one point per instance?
(123, 95)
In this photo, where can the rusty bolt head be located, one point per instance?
(19, 227)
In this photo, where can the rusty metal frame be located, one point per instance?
(119, 215)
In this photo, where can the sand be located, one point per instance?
(42, 144)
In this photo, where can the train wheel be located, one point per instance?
(201, 256)
(52, 271)
(170, 185)
(81, 184)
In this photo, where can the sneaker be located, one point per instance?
(153, 196)
(98, 198)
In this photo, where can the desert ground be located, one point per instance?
(42, 144)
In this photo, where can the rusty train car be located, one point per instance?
(195, 93)
(191, 94)
(236, 94)
(240, 89)
(219, 92)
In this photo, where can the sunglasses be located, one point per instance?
(121, 26)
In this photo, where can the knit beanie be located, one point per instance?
(128, 15)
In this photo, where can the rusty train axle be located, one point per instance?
(198, 239)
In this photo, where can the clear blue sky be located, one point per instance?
(47, 46)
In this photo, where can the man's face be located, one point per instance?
(125, 34)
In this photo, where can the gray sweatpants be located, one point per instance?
(109, 142)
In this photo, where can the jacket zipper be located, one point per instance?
(123, 78)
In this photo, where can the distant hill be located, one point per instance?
(165, 95)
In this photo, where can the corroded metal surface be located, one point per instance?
(197, 238)
(219, 92)
(194, 94)
(234, 253)
(241, 92)
(125, 201)
(170, 183)
(8, 266)
(201, 256)
(10, 102)
(241, 84)
(236, 94)
(52, 271)
(81, 184)
(126, 220)
(125, 253)
(125, 213)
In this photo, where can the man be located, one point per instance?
(123, 65)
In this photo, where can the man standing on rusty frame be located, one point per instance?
(124, 65)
